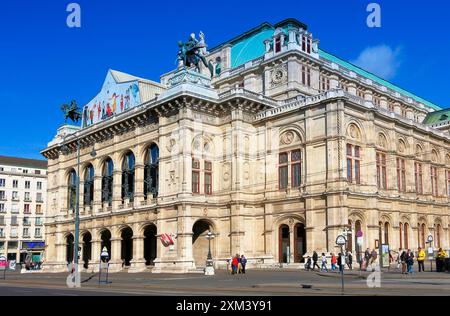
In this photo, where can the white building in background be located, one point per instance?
(23, 187)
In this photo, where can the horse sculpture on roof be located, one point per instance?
(193, 52)
(71, 112)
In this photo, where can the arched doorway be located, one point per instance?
(284, 244)
(127, 246)
(69, 248)
(87, 249)
(150, 245)
(200, 243)
(299, 243)
(105, 236)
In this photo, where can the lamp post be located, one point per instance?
(209, 270)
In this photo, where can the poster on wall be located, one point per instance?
(114, 98)
(385, 256)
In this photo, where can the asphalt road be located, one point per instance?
(254, 283)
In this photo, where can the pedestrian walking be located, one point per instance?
(333, 262)
(403, 262)
(421, 259)
(324, 263)
(367, 258)
(315, 259)
(349, 260)
(243, 263)
(339, 262)
(373, 259)
(239, 264)
(235, 264)
(410, 261)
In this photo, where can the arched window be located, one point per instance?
(406, 228)
(422, 236)
(72, 196)
(128, 177)
(151, 171)
(107, 181)
(386, 233)
(400, 229)
(438, 236)
(89, 185)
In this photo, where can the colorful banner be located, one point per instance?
(114, 98)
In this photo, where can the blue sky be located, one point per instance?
(43, 63)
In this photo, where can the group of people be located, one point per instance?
(238, 264)
(406, 260)
(337, 262)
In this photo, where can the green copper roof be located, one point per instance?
(249, 48)
(375, 78)
(436, 117)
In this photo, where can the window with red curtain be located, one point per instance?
(401, 175)
(418, 177)
(381, 171)
(434, 182)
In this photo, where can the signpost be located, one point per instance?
(3, 266)
(430, 250)
(341, 241)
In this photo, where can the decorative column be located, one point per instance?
(139, 184)
(138, 261)
(115, 265)
(117, 189)
(97, 205)
(95, 254)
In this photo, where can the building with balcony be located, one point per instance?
(23, 190)
(281, 150)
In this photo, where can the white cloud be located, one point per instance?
(381, 60)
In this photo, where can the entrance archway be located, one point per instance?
(87, 249)
(200, 243)
(284, 241)
(127, 245)
(150, 245)
(299, 243)
(69, 248)
(105, 236)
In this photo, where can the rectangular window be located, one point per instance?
(38, 209)
(401, 175)
(434, 182)
(14, 208)
(283, 170)
(14, 220)
(15, 195)
(25, 171)
(418, 178)
(195, 176)
(296, 168)
(2, 233)
(39, 185)
(278, 45)
(37, 233)
(26, 209)
(306, 76)
(38, 221)
(26, 232)
(306, 44)
(27, 196)
(2, 183)
(447, 182)
(15, 184)
(2, 207)
(39, 197)
(2, 220)
(208, 177)
(27, 184)
(26, 221)
(2, 195)
(37, 171)
(324, 84)
(381, 171)
(13, 232)
(353, 164)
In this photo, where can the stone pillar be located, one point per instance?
(95, 254)
(383, 103)
(115, 265)
(81, 201)
(352, 88)
(139, 184)
(291, 242)
(138, 261)
(334, 82)
(117, 189)
(97, 205)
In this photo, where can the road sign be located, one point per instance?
(340, 240)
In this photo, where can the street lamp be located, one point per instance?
(209, 270)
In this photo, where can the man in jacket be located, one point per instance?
(440, 260)
(315, 259)
(421, 259)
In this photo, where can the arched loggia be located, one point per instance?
(127, 246)
(151, 172)
(150, 245)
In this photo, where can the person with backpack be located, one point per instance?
(315, 259)
(333, 262)
(243, 263)
(403, 262)
(324, 263)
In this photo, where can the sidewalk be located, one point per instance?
(392, 273)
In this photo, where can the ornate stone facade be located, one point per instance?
(276, 157)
